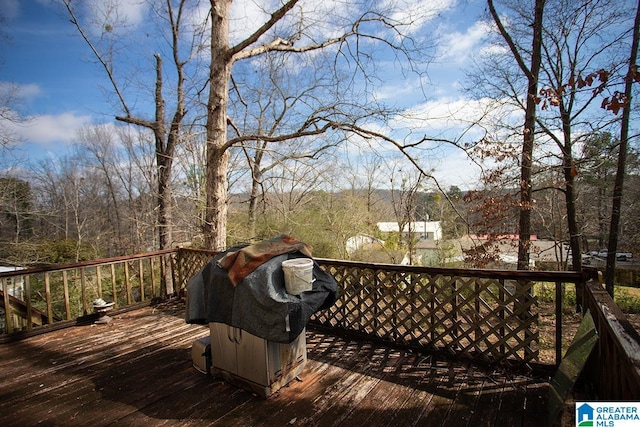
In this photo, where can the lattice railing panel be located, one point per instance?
(187, 263)
(471, 316)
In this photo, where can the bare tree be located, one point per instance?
(16, 210)
(531, 71)
(9, 100)
(99, 144)
(268, 108)
(66, 201)
(575, 37)
(366, 176)
(572, 44)
(614, 228)
(404, 189)
(121, 157)
(165, 126)
(597, 172)
(292, 184)
(275, 35)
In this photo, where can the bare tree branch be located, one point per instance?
(105, 65)
(273, 20)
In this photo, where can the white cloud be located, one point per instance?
(316, 19)
(437, 116)
(458, 47)
(14, 93)
(330, 18)
(448, 165)
(49, 129)
(246, 17)
(452, 119)
(28, 91)
(456, 169)
(115, 15)
(415, 14)
(453, 114)
(404, 90)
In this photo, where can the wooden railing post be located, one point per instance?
(98, 281)
(65, 287)
(179, 257)
(83, 290)
(7, 306)
(153, 278)
(127, 282)
(47, 292)
(166, 274)
(141, 279)
(114, 290)
(559, 294)
(27, 298)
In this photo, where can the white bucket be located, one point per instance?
(298, 275)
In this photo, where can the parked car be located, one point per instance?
(620, 256)
(623, 256)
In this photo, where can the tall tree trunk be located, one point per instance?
(569, 172)
(526, 158)
(256, 183)
(602, 227)
(164, 162)
(614, 229)
(165, 220)
(574, 230)
(526, 198)
(215, 225)
(256, 179)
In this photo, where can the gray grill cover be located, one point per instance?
(259, 304)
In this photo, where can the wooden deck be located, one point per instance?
(137, 371)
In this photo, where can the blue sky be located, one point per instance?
(48, 64)
(62, 90)
(44, 52)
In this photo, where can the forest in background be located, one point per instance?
(92, 206)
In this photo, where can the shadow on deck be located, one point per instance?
(137, 371)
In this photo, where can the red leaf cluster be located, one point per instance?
(614, 103)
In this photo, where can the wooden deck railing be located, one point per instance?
(488, 315)
(614, 366)
(48, 297)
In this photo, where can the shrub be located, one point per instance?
(628, 302)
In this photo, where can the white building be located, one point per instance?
(424, 230)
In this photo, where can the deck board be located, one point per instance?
(137, 371)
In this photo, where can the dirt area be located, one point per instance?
(635, 321)
(570, 324)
